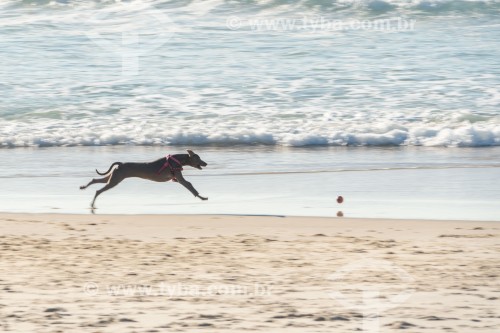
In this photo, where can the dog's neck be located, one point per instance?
(183, 158)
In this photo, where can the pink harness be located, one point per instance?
(168, 165)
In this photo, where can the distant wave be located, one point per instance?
(431, 7)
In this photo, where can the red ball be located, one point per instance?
(340, 199)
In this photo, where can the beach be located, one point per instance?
(391, 104)
(181, 273)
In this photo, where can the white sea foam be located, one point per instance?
(176, 131)
(200, 83)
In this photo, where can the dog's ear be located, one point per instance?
(190, 152)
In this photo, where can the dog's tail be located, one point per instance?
(111, 167)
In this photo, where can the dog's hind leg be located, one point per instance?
(95, 181)
(115, 179)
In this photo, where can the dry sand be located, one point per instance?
(104, 273)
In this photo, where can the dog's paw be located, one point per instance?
(202, 198)
(83, 187)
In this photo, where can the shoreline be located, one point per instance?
(326, 217)
(292, 189)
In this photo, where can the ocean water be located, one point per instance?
(393, 104)
(275, 72)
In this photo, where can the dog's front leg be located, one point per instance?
(180, 179)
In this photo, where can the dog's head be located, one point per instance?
(195, 160)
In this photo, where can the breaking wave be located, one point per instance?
(137, 131)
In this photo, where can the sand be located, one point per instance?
(212, 273)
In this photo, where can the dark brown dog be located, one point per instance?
(161, 170)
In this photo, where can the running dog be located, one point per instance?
(161, 170)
